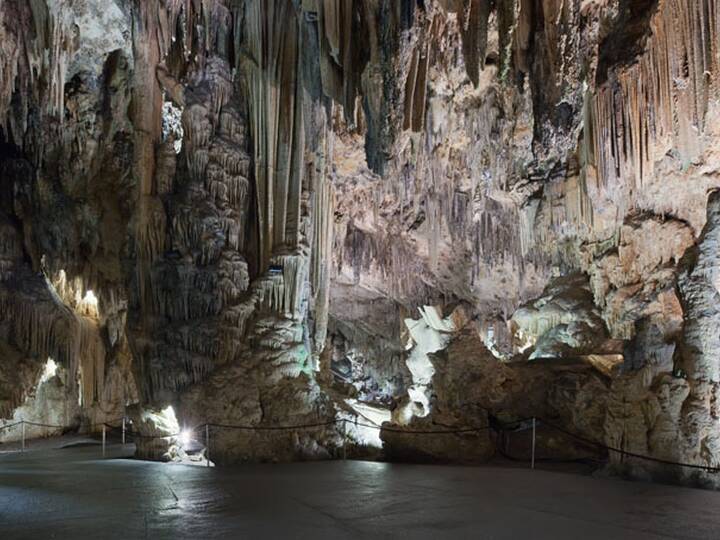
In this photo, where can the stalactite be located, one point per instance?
(90, 351)
(416, 82)
(36, 45)
(283, 292)
(661, 100)
(146, 116)
(276, 121)
(474, 33)
(45, 327)
(340, 53)
(497, 231)
(528, 216)
(11, 249)
(323, 212)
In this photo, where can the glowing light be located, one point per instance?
(165, 421)
(88, 305)
(168, 421)
(90, 298)
(185, 437)
(49, 371)
(369, 415)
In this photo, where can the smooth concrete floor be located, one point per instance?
(74, 493)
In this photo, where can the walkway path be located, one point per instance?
(73, 493)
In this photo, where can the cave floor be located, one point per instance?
(74, 493)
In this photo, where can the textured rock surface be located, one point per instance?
(275, 213)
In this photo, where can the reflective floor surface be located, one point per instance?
(74, 493)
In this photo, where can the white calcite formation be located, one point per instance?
(47, 405)
(432, 214)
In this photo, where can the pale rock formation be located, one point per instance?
(563, 320)
(155, 432)
(427, 335)
(471, 385)
(49, 403)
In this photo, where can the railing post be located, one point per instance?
(22, 427)
(344, 438)
(103, 440)
(532, 458)
(123, 431)
(207, 445)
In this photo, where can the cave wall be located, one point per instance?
(584, 144)
(256, 191)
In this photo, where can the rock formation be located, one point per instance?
(431, 214)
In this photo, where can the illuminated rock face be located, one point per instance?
(289, 212)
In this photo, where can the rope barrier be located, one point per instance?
(274, 428)
(423, 431)
(504, 427)
(53, 426)
(492, 425)
(8, 426)
(142, 436)
(56, 426)
(590, 442)
(139, 435)
(505, 454)
(344, 420)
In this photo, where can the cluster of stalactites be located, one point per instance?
(283, 290)
(46, 328)
(207, 231)
(55, 318)
(197, 286)
(11, 249)
(36, 42)
(473, 16)
(205, 29)
(659, 103)
(341, 52)
(275, 102)
(391, 257)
